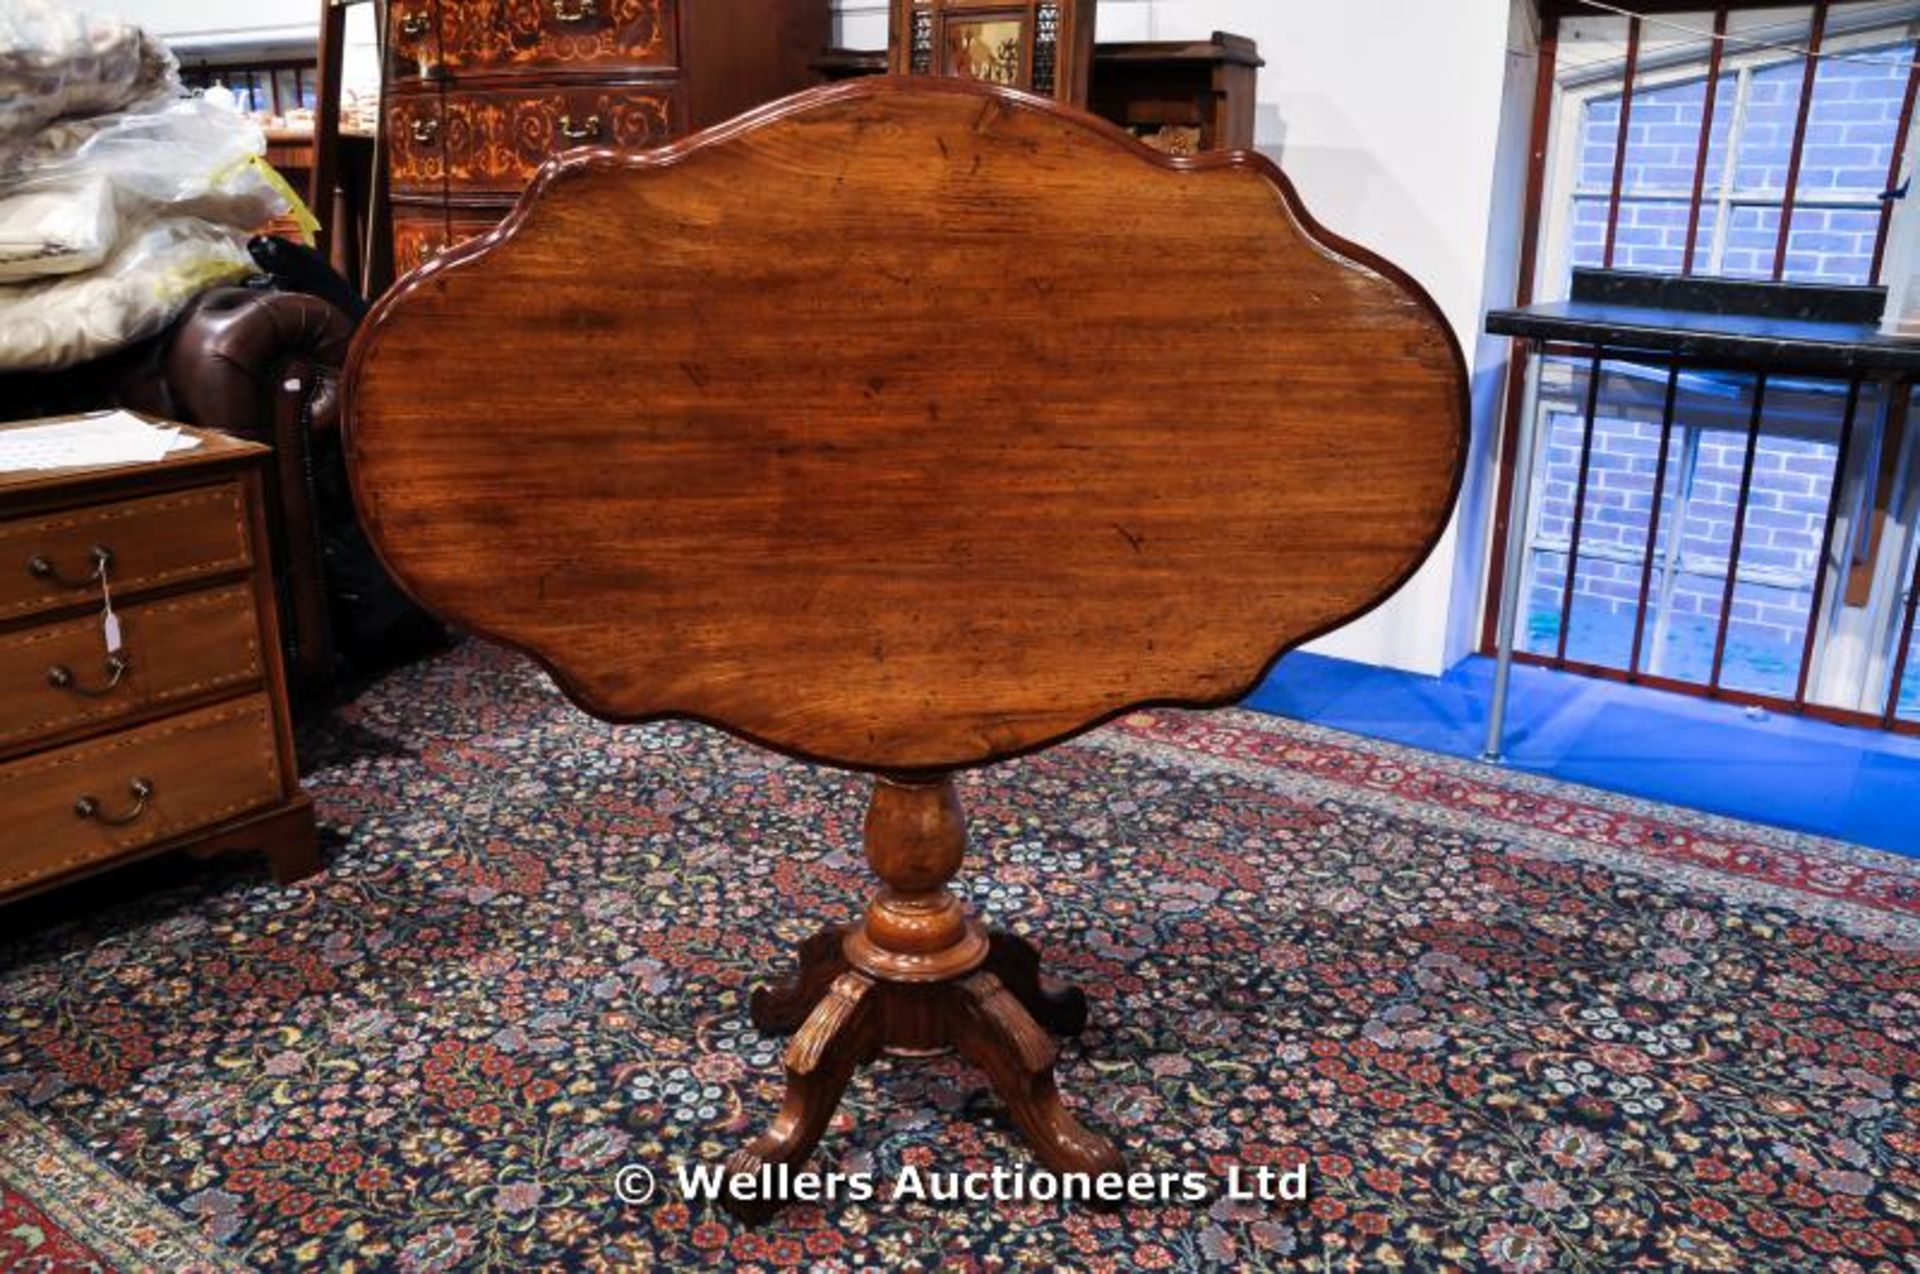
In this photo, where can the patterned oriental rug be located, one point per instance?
(1506, 1024)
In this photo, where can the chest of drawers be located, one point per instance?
(480, 93)
(179, 738)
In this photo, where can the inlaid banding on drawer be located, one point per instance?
(194, 769)
(59, 676)
(51, 560)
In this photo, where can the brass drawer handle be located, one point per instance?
(584, 11)
(589, 127)
(87, 807)
(41, 567)
(425, 130)
(415, 25)
(61, 677)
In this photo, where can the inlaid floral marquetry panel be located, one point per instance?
(498, 140)
(422, 232)
(415, 144)
(485, 36)
(413, 39)
(419, 235)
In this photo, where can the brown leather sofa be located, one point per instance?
(254, 362)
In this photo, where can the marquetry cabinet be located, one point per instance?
(180, 737)
(480, 93)
(1041, 46)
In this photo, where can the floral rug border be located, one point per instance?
(120, 1222)
(1868, 891)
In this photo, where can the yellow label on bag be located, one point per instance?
(296, 206)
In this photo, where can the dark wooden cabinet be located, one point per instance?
(557, 37)
(480, 93)
(1042, 46)
(1182, 97)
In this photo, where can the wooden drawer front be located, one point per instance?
(485, 37)
(173, 649)
(420, 233)
(497, 140)
(416, 144)
(158, 539)
(413, 40)
(203, 766)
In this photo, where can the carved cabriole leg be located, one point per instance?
(841, 1033)
(1061, 1009)
(781, 1008)
(996, 1033)
(917, 975)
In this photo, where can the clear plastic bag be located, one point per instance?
(58, 230)
(191, 158)
(120, 199)
(157, 269)
(59, 60)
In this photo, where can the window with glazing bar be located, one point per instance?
(1727, 533)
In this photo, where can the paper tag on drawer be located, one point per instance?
(109, 622)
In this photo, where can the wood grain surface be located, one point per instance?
(905, 424)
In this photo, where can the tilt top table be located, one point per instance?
(906, 425)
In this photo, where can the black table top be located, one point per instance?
(1785, 328)
(1735, 340)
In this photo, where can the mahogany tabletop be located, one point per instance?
(905, 424)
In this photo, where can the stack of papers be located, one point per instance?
(105, 438)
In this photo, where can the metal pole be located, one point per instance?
(1513, 569)
(1740, 509)
(1653, 519)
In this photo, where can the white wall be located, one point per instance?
(222, 23)
(234, 31)
(1388, 116)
